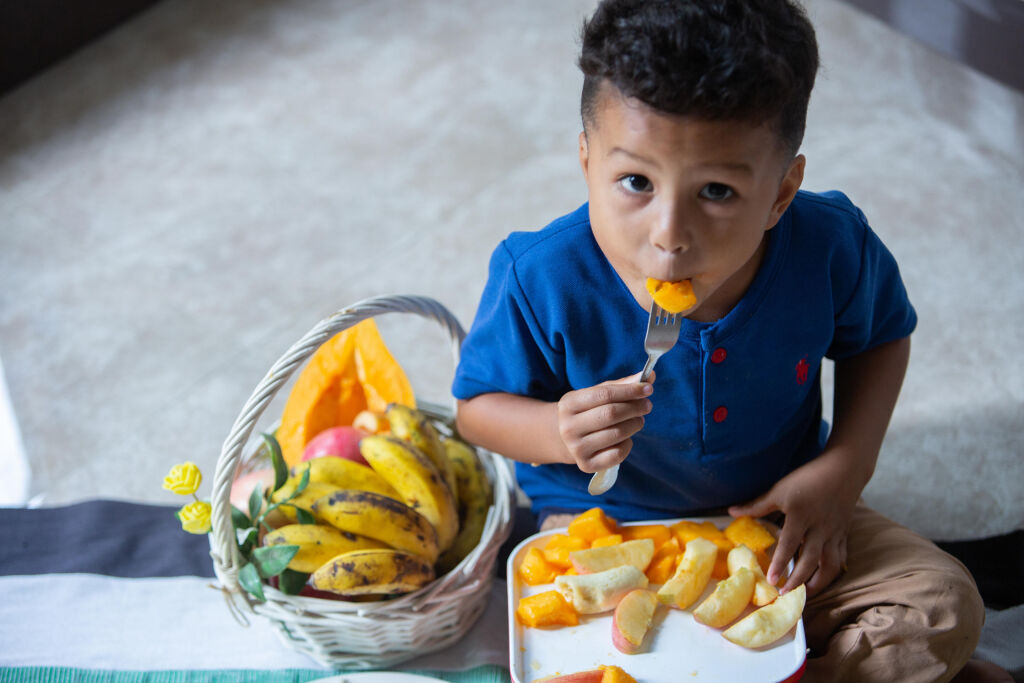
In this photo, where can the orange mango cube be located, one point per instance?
(535, 570)
(546, 609)
(721, 568)
(592, 524)
(610, 539)
(613, 674)
(687, 530)
(658, 532)
(556, 550)
(749, 532)
(661, 569)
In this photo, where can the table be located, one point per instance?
(115, 591)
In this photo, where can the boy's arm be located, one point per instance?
(589, 428)
(818, 498)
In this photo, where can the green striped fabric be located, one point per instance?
(34, 674)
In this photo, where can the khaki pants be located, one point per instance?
(903, 611)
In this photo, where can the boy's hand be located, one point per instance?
(596, 423)
(818, 501)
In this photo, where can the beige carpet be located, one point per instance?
(182, 200)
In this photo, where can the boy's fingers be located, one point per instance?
(607, 457)
(789, 542)
(583, 400)
(759, 507)
(612, 436)
(634, 379)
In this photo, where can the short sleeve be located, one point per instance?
(878, 309)
(505, 350)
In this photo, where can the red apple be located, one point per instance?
(341, 442)
(242, 487)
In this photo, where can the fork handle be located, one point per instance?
(648, 367)
(603, 480)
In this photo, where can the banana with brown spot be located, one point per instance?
(385, 519)
(345, 474)
(413, 426)
(373, 572)
(318, 543)
(420, 484)
(304, 500)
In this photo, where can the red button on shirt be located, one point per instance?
(718, 355)
(721, 412)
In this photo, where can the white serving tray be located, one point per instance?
(676, 649)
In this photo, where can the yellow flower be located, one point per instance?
(183, 479)
(195, 517)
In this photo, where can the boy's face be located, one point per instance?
(679, 198)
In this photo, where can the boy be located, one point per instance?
(693, 113)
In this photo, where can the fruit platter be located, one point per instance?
(679, 599)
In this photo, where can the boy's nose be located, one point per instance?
(670, 232)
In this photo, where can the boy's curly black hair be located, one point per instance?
(750, 60)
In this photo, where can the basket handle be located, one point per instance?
(223, 546)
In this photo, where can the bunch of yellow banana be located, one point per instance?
(416, 479)
(414, 513)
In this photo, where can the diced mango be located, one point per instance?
(659, 532)
(535, 570)
(546, 609)
(613, 674)
(687, 530)
(721, 569)
(610, 539)
(565, 541)
(558, 557)
(592, 524)
(661, 569)
(749, 532)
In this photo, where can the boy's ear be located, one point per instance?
(787, 189)
(584, 153)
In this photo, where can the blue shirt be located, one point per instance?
(737, 402)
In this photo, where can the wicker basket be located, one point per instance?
(360, 635)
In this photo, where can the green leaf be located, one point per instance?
(291, 581)
(239, 519)
(272, 560)
(304, 516)
(246, 546)
(249, 578)
(303, 483)
(255, 501)
(280, 468)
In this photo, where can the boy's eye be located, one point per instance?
(716, 192)
(636, 183)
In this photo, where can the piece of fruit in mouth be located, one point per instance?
(674, 297)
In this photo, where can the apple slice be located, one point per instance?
(692, 574)
(637, 553)
(632, 619)
(600, 592)
(770, 622)
(764, 592)
(730, 598)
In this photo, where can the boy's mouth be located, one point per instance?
(674, 297)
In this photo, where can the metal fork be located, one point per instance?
(662, 332)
